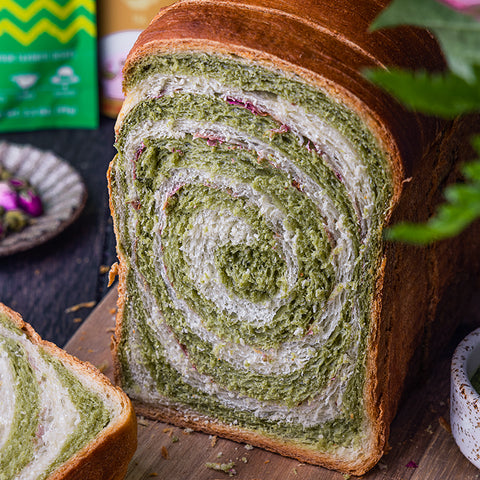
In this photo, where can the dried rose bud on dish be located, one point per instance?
(20, 204)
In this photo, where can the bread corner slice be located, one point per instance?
(60, 417)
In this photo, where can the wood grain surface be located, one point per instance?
(421, 446)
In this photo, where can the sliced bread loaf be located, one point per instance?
(256, 172)
(60, 418)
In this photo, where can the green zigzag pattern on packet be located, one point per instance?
(26, 23)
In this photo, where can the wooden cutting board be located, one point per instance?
(421, 446)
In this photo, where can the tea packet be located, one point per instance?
(48, 64)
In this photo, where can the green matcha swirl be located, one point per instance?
(48, 415)
(251, 237)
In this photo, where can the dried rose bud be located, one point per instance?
(15, 220)
(17, 183)
(8, 196)
(30, 203)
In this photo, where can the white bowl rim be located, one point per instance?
(465, 362)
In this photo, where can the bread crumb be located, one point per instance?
(187, 431)
(77, 320)
(244, 460)
(168, 430)
(445, 425)
(141, 421)
(153, 474)
(113, 311)
(213, 440)
(103, 269)
(78, 306)
(164, 452)
(266, 461)
(112, 274)
(103, 366)
(248, 447)
(227, 468)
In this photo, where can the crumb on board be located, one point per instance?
(104, 269)
(382, 466)
(164, 452)
(213, 440)
(248, 447)
(141, 421)
(187, 431)
(266, 461)
(227, 468)
(168, 431)
(445, 425)
(77, 320)
(103, 366)
(78, 306)
(153, 474)
(113, 311)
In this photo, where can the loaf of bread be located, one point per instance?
(60, 418)
(256, 172)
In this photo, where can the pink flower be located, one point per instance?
(30, 203)
(469, 7)
(8, 197)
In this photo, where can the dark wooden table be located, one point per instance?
(44, 283)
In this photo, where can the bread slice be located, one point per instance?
(60, 417)
(256, 172)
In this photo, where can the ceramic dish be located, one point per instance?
(464, 400)
(60, 187)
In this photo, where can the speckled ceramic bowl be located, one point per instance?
(60, 187)
(464, 400)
